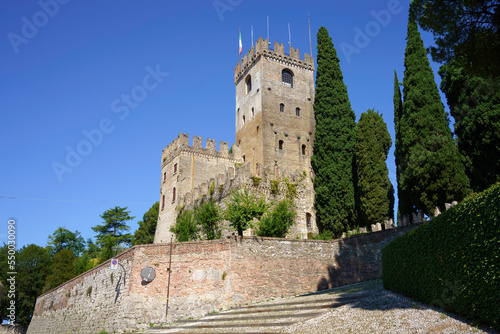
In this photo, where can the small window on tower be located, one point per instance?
(287, 78)
(249, 84)
(243, 119)
(281, 144)
(297, 111)
(303, 149)
(308, 221)
(282, 107)
(173, 195)
(253, 112)
(164, 176)
(163, 202)
(175, 168)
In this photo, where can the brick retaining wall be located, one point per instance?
(206, 276)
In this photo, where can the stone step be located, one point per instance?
(271, 316)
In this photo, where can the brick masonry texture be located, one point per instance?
(205, 276)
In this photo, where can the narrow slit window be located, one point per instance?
(297, 111)
(280, 144)
(303, 149)
(249, 84)
(164, 176)
(173, 195)
(175, 168)
(243, 119)
(282, 107)
(163, 202)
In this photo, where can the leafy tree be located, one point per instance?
(278, 222)
(65, 239)
(465, 31)
(207, 216)
(374, 187)
(334, 143)
(62, 269)
(242, 208)
(475, 104)
(32, 266)
(111, 232)
(145, 234)
(185, 228)
(434, 172)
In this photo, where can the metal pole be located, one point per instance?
(169, 271)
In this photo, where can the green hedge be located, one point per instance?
(452, 262)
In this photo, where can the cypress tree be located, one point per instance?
(434, 173)
(404, 207)
(376, 195)
(475, 105)
(334, 143)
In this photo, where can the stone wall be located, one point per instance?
(205, 276)
(8, 329)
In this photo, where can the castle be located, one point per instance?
(275, 127)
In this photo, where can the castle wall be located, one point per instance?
(205, 276)
(185, 168)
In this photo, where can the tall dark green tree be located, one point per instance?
(114, 228)
(475, 105)
(334, 143)
(62, 269)
(145, 234)
(62, 238)
(32, 265)
(465, 31)
(376, 194)
(434, 172)
(404, 205)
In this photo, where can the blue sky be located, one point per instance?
(69, 69)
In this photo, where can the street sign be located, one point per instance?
(114, 264)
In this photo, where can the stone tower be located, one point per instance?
(274, 136)
(274, 108)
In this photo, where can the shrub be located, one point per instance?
(185, 228)
(242, 208)
(207, 217)
(278, 222)
(453, 261)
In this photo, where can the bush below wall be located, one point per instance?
(453, 262)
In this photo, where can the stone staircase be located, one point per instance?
(272, 316)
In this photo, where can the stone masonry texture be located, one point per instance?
(205, 276)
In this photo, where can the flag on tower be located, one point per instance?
(241, 45)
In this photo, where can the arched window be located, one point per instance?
(173, 195)
(297, 111)
(303, 149)
(280, 144)
(282, 107)
(287, 78)
(248, 82)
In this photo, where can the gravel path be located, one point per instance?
(384, 312)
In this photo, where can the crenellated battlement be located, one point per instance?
(181, 144)
(261, 49)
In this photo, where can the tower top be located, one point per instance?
(278, 54)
